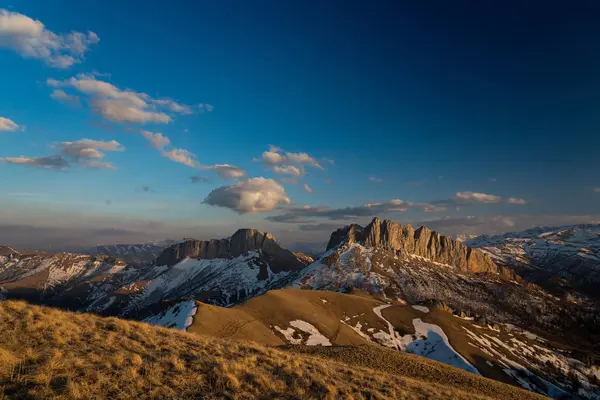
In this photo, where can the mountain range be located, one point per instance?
(557, 257)
(515, 308)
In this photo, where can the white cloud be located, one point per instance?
(7, 125)
(181, 156)
(61, 96)
(122, 105)
(87, 152)
(516, 200)
(226, 171)
(88, 148)
(250, 196)
(597, 190)
(172, 105)
(288, 170)
(124, 112)
(157, 140)
(473, 198)
(31, 39)
(282, 162)
(161, 143)
(308, 188)
(303, 158)
(375, 179)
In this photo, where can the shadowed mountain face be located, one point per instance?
(392, 236)
(242, 242)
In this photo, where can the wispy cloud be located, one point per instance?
(121, 105)
(31, 39)
(496, 224)
(8, 125)
(308, 188)
(516, 200)
(473, 197)
(83, 152)
(164, 146)
(60, 96)
(226, 171)
(199, 179)
(375, 179)
(287, 163)
(295, 214)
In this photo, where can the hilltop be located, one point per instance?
(48, 353)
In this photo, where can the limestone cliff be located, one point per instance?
(422, 242)
(242, 241)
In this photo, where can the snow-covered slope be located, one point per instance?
(246, 264)
(415, 279)
(221, 281)
(571, 252)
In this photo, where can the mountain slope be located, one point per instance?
(382, 264)
(570, 252)
(46, 353)
(217, 271)
(325, 319)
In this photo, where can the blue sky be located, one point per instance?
(479, 118)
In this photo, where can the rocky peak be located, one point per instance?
(422, 242)
(8, 251)
(241, 242)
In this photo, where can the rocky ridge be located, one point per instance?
(240, 243)
(403, 239)
(559, 257)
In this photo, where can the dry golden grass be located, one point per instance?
(48, 353)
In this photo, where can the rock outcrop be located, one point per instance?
(242, 242)
(422, 242)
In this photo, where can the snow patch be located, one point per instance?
(180, 316)
(315, 337)
(421, 308)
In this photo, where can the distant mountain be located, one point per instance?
(217, 271)
(558, 257)
(463, 237)
(137, 254)
(220, 272)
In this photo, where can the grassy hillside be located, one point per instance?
(252, 320)
(48, 353)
